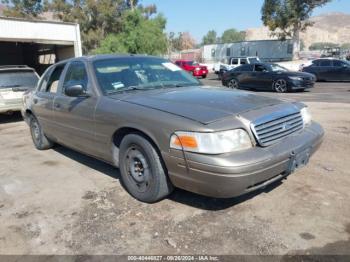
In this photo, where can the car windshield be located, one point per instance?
(10, 79)
(140, 73)
(277, 68)
(192, 63)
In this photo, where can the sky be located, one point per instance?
(200, 16)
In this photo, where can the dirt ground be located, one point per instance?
(62, 202)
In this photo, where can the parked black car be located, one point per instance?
(329, 69)
(264, 76)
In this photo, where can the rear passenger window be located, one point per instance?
(76, 75)
(43, 81)
(234, 61)
(243, 61)
(52, 83)
(316, 63)
(244, 68)
(325, 63)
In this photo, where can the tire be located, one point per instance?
(233, 83)
(204, 76)
(142, 171)
(280, 86)
(41, 142)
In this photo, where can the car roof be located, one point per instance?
(243, 57)
(184, 60)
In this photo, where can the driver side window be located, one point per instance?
(49, 82)
(260, 68)
(76, 75)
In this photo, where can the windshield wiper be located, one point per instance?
(175, 85)
(129, 88)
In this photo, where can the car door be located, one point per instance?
(341, 71)
(43, 97)
(243, 61)
(261, 77)
(325, 69)
(243, 74)
(74, 116)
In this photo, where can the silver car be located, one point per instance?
(14, 81)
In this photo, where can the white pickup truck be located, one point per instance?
(233, 62)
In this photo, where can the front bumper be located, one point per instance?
(297, 85)
(234, 174)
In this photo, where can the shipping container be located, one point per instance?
(266, 50)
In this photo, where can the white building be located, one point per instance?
(37, 44)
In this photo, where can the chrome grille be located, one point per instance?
(271, 131)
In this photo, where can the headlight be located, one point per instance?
(295, 78)
(306, 115)
(211, 143)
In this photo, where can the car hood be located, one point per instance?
(298, 74)
(202, 104)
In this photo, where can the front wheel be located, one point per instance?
(142, 172)
(40, 141)
(280, 86)
(233, 83)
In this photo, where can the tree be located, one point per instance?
(139, 35)
(187, 41)
(322, 45)
(23, 8)
(232, 35)
(173, 42)
(181, 41)
(287, 18)
(96, 18)
(345, 46)
(210, 38)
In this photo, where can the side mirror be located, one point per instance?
(75, 91)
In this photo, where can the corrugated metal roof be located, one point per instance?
(15, 29)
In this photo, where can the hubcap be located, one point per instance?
(233, 83)
(36, 131)
(281, 86)
(137, 168)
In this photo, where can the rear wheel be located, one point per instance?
(280, 86)
(142, 171)
(233, 83)
(40, 141)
